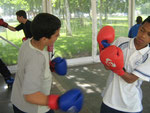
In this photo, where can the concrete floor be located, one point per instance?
(91, 79)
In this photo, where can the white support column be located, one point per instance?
(47, 6)
(131, 13)
(94, 30)
(44, 5)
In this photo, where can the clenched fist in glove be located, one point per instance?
(112, 57)
(58, 65)
(2, 23)
(105, 36)
(70, 101)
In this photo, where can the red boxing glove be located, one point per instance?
(52, 66)
(112, 57)
(70, 101)
(50, 48)
(120, 72)
(105, 35)
(2, 23)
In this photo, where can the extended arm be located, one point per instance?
(5, 24)
(37, 98)
(11, 28)
(71, 99)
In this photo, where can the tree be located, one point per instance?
(11, 6)
(109, 7)
(67, 12)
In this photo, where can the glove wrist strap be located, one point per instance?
(53, 101)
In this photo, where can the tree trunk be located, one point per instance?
(100, 21)
(68, 25)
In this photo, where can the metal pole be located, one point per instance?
(9, 42)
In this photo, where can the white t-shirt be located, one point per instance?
(33, 75)
(119, 94)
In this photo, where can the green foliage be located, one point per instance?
(79, 45)
(10, 7)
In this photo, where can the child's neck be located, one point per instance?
(37, 44)
(139, 47)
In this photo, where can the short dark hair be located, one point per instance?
(146, 20)
(139, 20)
(21, 13)
(44, 25)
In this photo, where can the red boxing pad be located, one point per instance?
(112, 57)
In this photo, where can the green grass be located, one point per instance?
(78, 45)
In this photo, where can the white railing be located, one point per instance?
(9, 42)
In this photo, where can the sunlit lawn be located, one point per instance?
(78, 45)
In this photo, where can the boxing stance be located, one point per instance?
(32, 85)
(24, 24)
(123, 89)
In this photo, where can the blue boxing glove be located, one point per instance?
(58, 65)
(71, 101)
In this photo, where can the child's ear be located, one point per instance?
(44, 40)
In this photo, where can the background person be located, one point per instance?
(6, 74)
(24, 24)
(134, 29)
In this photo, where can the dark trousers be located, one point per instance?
(4, 70)
(107, 109)
(16, 110)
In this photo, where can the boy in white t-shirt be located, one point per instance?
(32, 85)
(123, 93)
(33, 78)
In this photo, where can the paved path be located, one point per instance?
(91, 79)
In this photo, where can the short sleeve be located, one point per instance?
(143, 71)
(34, 72)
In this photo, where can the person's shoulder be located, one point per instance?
(31, 53)
(28, 22)
(25, 43)
(121, 40)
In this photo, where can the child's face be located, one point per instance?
(143, 36)
(53, 37)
